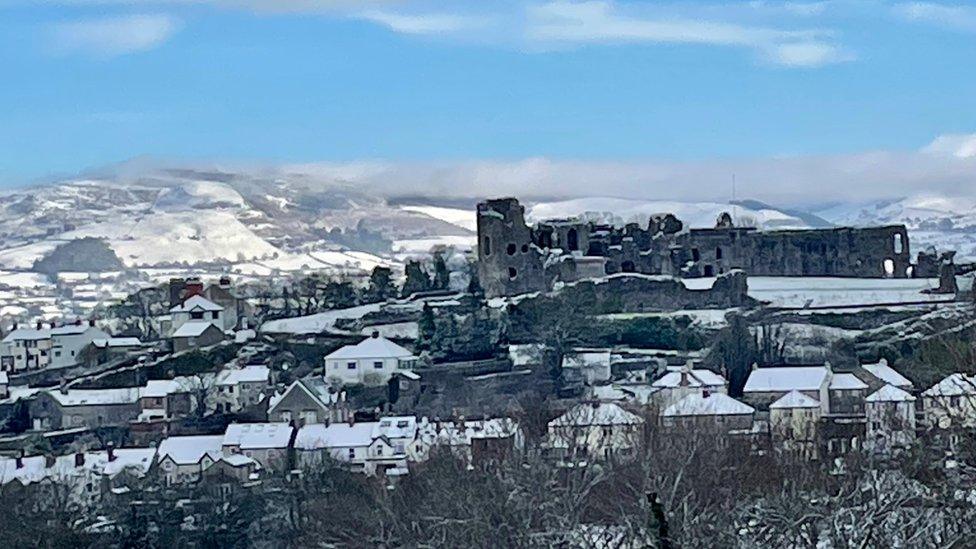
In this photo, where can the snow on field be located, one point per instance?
(466, 219)
(355, 260)
(319, 322)
(176, 237)
(825, 292)
(24, 280)
(23, 257)
(706, 318)
(199, 194)
(424, 245)
(693, 214)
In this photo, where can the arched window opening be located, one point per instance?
(572, 240)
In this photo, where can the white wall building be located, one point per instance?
(678, 383)
(951, 403)
(198, 309)
(371, 362)
(239, 388)
(767, 385)
(794, 425)
(597, 430)
(890, 414)
(182, 459)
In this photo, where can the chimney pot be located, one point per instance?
(375, 334)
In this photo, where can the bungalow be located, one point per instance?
(182, 459)
(370, 362)
(598, 430)
(307, 401)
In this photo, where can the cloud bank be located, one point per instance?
(114, 36)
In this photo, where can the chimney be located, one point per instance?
(375, 334)
(706, 393)
(110, 449)
(77, 322)
(224, 282)
(15, 326)
(91, 322)
(882, 362)
(52, 325)
(40, 325)
(48, 461)
(828, 366)
(79, 459)
(19, 460)
(63, 386)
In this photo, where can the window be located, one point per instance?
(525, 248)
(695, 254)
(718, 253)
(510, 250)
(351, 365)
(378, 364)
(572, 240)
(307, 417)
(379, 450)
(487, 245)
(215, 314)
(196, 315)
(708, 271)
(286, 416)
(512, 273)
(352, 454)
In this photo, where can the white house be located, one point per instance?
(890, 414)
(794, 425)
(182, 459)
(384, 446)
(372, 361)
(951, 403)
(597, 430)
(199, 309)
(469, 440)
(55, 347)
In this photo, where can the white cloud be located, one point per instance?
(428, 23)
(600, 21)
(114, 35)
(953, 145)
(957, 17)
(789, 181)
(807, 54)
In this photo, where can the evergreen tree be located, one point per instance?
(442, 276)
(427, 328)
(381, 285)
(417, 279)
(734, 350)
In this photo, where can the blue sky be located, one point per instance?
(91, 82)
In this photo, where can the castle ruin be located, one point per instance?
(515, 258)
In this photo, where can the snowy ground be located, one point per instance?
(826, 292)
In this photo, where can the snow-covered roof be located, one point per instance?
(795, 399)
(587, 359)
(316, 387)
(117, 342)
(27, 334)
(35, 469)
(595, 414)
(91, 397)
(247, 374)
(72, 329)
(396, 427)
(3, 378)
(800, 378)
(887, 374)
(187, 450)
(371, 347)
(715, 404)
(337, 435)
(257, 435)
(696, 378)
(193, 328)
(237, 460)
(157, 388)
(890, 393)
(846, 382)
(461, 433)
(197, 302)
(957, 384)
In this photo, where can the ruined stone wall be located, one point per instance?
(515, 258)
(509, 261)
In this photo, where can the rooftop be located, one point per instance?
(371, 347)
(257, 435)
(197, 302)
(186, 450)
(795, 399)
(890, 393)
(786, 378)
(594, 414)
(712, 404)
(887, 374)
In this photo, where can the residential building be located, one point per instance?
(25, 349)
(370, 362)
(885, 374)
(677, 383)
(196, 333)
(182, 459)
(846, 392)
(266, 443)
(378, 447)
(951, 403)
(308, 401)
(473, 440)
(91, 408)
(197, 308)
(595, 430)
(767, 385)
(708, 413)
(794, 425)
(241, 388)
(590, 366)
(890, 414)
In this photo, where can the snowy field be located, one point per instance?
(839, 292)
